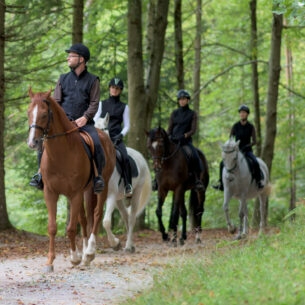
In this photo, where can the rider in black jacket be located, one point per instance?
(245, 132)
(118, 126)
(182, 125)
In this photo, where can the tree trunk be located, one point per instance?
(197, 65)
(143, 98)
(4, 220)
(77, 26)
(178, 45)
(291, 119)
(256, 103)
(273, 86)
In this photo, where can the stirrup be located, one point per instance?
(199, 185)
(128, 191)
(36, 181)
(218, 187)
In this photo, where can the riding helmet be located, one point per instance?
(81, 50)
(244, 108)
(183, 93)
(116, 82)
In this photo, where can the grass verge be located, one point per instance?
(267, 270)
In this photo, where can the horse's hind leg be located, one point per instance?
(110, 205)
(75, 210)
(131, 223)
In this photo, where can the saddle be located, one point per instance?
(119, 164)
(252, 168)
(88, 143)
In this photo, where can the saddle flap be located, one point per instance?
(119, 164)
(88, 140)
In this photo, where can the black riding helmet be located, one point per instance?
(244, 108)
(81, 50)
(183, 93)
(116, 82)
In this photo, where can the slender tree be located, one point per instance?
(4, 220)
(178, 45)
(78, 15)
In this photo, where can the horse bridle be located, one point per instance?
(45, 131)
(235, 159)
(163, 158)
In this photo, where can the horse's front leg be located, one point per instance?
(161, 198)
(51, 202)
(75, 209)
(230, 225)
(243, 218)
(110, 206)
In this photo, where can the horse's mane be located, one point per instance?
(57, 110)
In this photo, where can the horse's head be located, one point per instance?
(157, 144)
(230, 154)
(39, 117)
(102, 123)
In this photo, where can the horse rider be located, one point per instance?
(78, 93)
(118, 126)
(245, 132)
(182, 125)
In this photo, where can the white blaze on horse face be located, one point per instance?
(154, 145)
(32, 130)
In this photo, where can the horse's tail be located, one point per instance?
(267, 189)
(145, 191)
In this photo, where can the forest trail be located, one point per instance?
(113, 276)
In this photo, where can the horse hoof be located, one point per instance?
(130, 250)
(117, 247)
(181, 242)
(165, 237)
(49, 268)
(198, 241)
(88, 258)
(75, 263)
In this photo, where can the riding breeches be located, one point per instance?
(125, 160)
(99, 157)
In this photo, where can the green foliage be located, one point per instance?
(38, 33)
(267, 270)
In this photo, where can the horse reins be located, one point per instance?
(45, 131)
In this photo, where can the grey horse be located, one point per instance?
(238, 183)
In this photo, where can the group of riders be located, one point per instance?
(78, 92)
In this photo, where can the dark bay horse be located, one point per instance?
(66, 169)
(172, 174)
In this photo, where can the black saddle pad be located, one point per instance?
(119, 164)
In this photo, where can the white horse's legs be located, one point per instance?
(75, 257)
(230, 225)
(243, 219)
(110, 205)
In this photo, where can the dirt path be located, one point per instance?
(111, 278)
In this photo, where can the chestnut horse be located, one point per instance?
(66, 169)
(172, 174)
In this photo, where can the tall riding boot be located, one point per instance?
(99, 184)
(127, 179)
(36, 180)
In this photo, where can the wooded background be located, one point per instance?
(225, 53)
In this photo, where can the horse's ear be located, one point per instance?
(49, 93)
(107, 118)
(30, 92)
